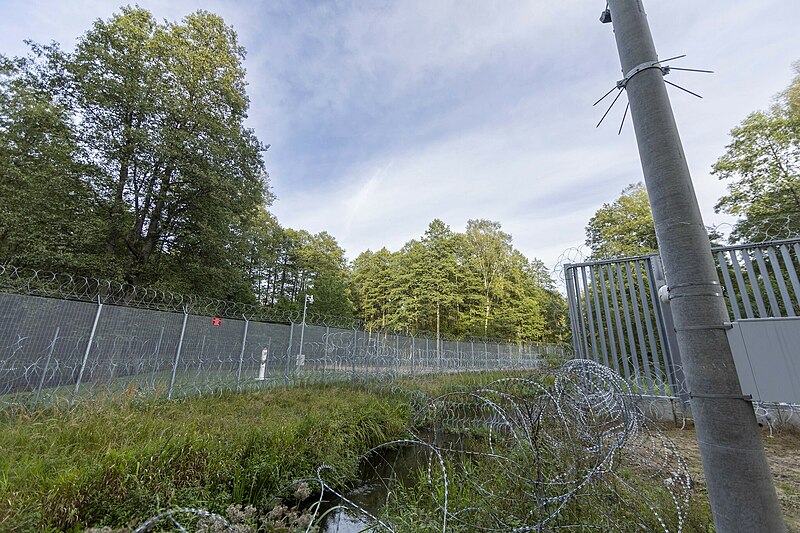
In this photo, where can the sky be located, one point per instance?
(384, 115)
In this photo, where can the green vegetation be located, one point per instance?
(623, 228)
(491, 497)
(473, 283)
(762, 166)
(128, 159)
(117, 463)
(762, 163)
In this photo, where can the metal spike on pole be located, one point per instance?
(740, 485)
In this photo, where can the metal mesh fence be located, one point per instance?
(55, 350)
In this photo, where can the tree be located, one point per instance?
(157, 114)
(438, 281)
(763, 162)
(623, 228)
(371, 282)
(48, 213)
(489, 254)
(448, 283)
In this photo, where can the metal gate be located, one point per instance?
(619, 320)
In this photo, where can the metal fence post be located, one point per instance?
(412, 354)
(241, 355)
(46, 364)
(353, 355)
(288, 355)
(472, 352)
(178, 354)
(325, 352)
(86, 353)
(427, 351)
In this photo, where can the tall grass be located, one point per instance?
(118, 462)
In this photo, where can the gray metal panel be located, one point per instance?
(767, 357)
(731, 293)
(776, 268)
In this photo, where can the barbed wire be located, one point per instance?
(557, 450)
(65, 286)
(573, 254)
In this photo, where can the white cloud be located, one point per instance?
(385, 115)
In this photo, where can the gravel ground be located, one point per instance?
(783, 454)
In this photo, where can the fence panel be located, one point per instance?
(66, 350)
(618, 319)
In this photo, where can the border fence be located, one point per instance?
(620, 320)
(64, 338)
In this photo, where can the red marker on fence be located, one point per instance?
(216, 321)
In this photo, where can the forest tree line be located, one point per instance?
(128, 159)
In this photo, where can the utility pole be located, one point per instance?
(740, 485)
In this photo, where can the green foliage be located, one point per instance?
(763, 163)
(456, 284)
(127, 158)
(623, 228)
(151, 153)
(48, 212)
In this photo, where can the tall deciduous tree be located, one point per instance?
(158, 112)
(48, 213)
(489, 254)
(623, 228)
(763, 163)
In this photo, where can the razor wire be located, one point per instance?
(34, 282)
(59, 350)
(557, 450)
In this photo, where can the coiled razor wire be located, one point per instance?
(557, 450)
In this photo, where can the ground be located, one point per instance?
(783, 454)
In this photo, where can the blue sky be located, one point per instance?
(383, 115)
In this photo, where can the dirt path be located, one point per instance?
(783, 454)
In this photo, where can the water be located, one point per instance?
(379, 473)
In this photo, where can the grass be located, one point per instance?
(116, 463)
(117, 460)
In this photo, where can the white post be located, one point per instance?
(301, 359)
(262, 370)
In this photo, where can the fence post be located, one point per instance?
(353, 355)
(86, 353)
(46, 364)
(325, 352)
(288, 355)
(241, 355)
(472, 351)
(427, 351)
(412, 355)
(178, 353)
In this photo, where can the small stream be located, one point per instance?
(379, 473)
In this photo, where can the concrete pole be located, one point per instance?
(740, 485)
